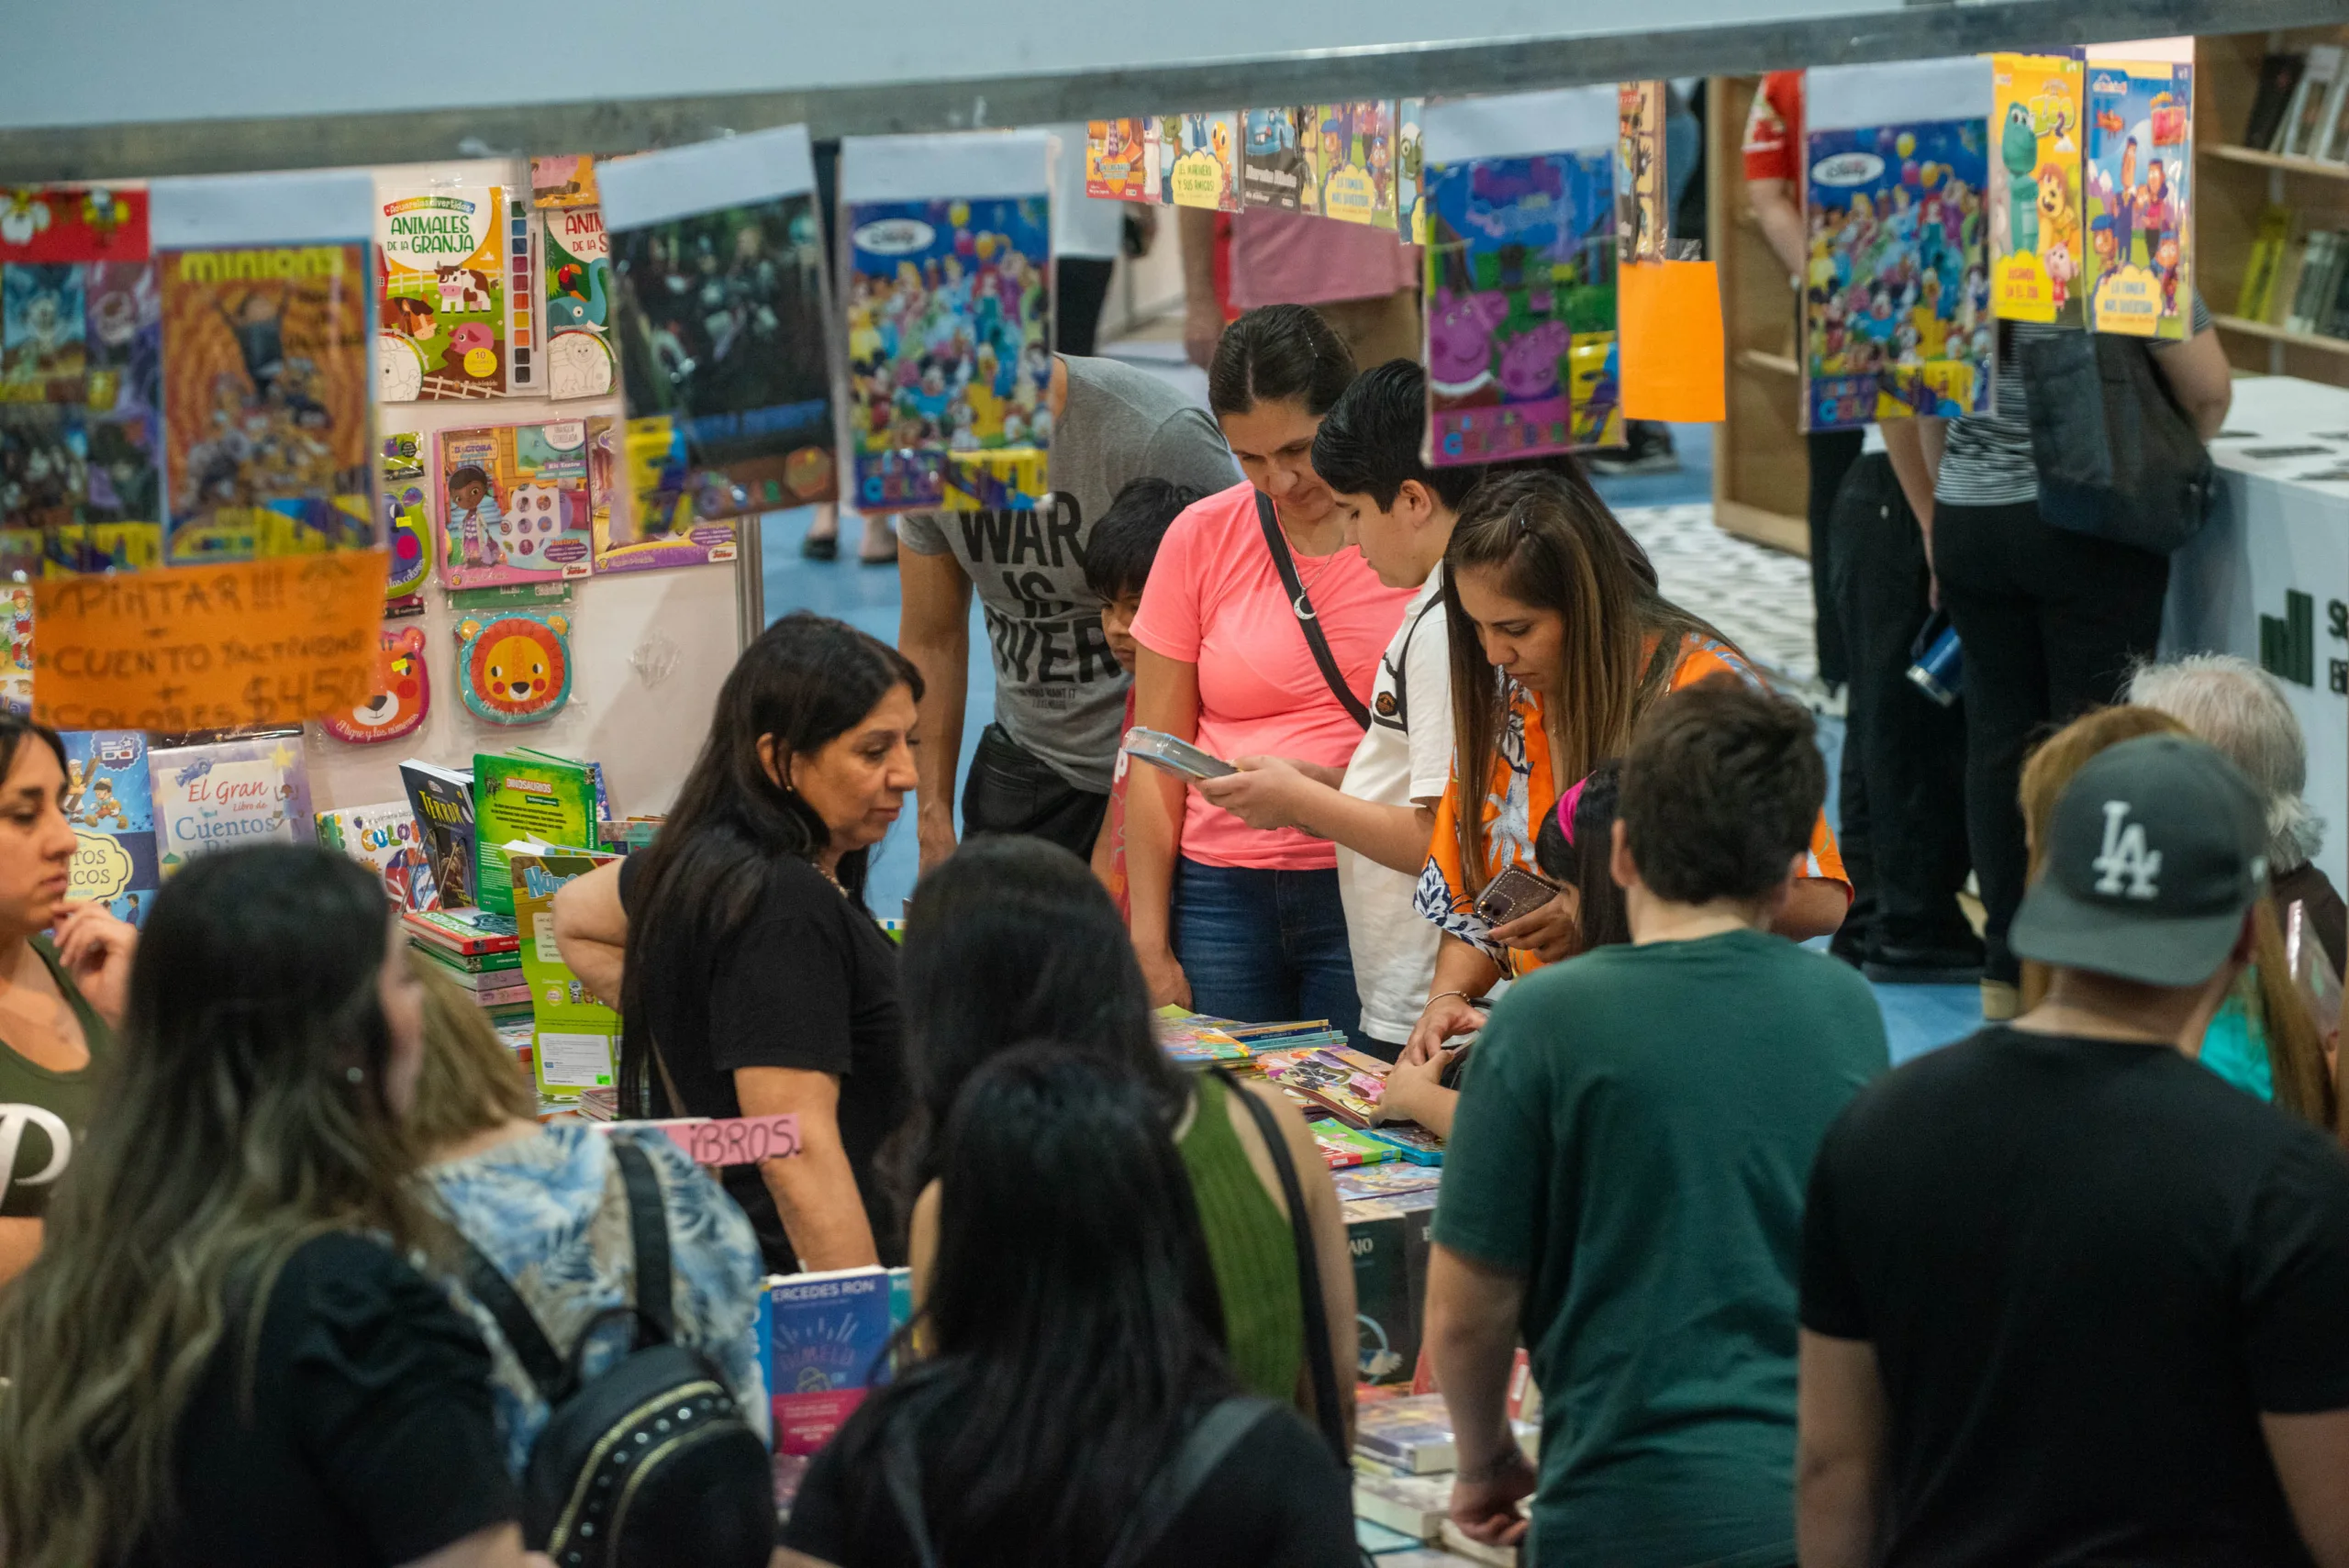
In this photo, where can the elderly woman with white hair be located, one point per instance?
(2233, 705)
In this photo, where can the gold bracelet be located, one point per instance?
(1442, 995)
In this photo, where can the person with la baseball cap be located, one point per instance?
(2067, 1297)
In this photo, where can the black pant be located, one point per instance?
(1904, 754)
(1080, 286)
(1012, 791)
(2051, 621)
(1832, 452)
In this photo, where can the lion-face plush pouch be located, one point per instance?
(514, 665)
(399, 709)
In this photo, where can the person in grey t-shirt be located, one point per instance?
(1043, 766)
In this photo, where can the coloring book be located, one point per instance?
(2038, 241)
(442, 322)
(517, 502)
(578, 304)
(2139, 202)
(387, 839)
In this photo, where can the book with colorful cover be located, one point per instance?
(1896, 303)
(441, 325)
(1196, 159)
(578, 307)
(1412, 1434)
(1351, 148)
(1343, 1146)
(1117, 161)
(471, 939)
(385, 837)
(226, 795)
(443, 799)
(2038, 241)
(2139, 197)
(536, 795)
(826, 1345)
(1642, 185)
(574, 1038)
(1521, 307)
(1350, 1085)
(1380, 1183)
(1411, 190)
(563, 182)
(516, 502)
(1274, 169)
(110, 800)
(1414, 1142)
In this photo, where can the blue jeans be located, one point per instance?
(1264, 945)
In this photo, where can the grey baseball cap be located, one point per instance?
(2157, 847)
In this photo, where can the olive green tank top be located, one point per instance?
(43, 1111)
(1251, 1249)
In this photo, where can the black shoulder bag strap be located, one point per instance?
(1208, 1444)
(1306, 619)
(1319, 1362)
(519, 1324)
(648, 1225)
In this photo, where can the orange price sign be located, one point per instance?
(183, 648)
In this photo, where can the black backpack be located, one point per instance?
(2118, 458)
(650, 1462)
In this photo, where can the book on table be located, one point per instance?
(525, 794)
(443, 799)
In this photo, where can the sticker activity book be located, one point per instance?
(1897, 301)
(443, 325)
(2140, 162)
(516, 502)
(1521, 306)
(2038, 241)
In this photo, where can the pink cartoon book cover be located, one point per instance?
(518, 503)
(1521, 306)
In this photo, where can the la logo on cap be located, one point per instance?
(2125, 856)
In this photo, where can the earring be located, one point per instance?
(356, 1074)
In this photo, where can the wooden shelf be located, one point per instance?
(1775, 365)
(2251, 328)
(2316, 166)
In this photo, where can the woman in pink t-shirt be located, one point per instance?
(1237, 922)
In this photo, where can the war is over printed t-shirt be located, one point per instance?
(1059, 692)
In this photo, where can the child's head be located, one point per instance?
(1118, 556)
(467, 486)
(1575, 849)
(1720, 794)
(471, 1081)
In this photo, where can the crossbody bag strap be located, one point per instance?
(648, 1224)
(514, 1319)
(1309, 623)
(1318, 1359)
(1208, 1444)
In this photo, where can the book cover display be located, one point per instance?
(384, 837)
(1117, 161)
(397, 710)
(825, 1348)
(1521, 306)
(2140, 232)
(269, 444)
(1274, 169)
(1352, 154)
(572, 1036)
(442, 799)
(1195, 159)
(229, 793)
(559, 183)
(407, 522)
(526, 796)
(720, 295)
(1642, 185)
(514, 662)
(1896, 309)
(578, 310)
(517, 502)
(16, 663)
(2038, 239)
(110, 801)
(443, 325)
(1410, 170)
(948, 325)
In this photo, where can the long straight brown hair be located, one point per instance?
(1556, 546)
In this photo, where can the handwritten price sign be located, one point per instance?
(727, 1140)
(181, 647)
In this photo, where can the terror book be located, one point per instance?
(443, 802)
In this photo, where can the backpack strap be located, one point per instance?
(648, 1224)
(1206, 1445)
(519, 1324)
(1307, 620)
(901, 1470)
(1318, 1360)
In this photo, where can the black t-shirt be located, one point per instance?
(371, 1440)
(1278, 1497)
(809, 982)
(2087, 1267)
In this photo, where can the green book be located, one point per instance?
(532, 795)
(574, 1038)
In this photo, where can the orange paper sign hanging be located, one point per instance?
(1673, 365)
(187, 647)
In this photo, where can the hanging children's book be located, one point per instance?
(1192, 158)
(110, 800)
(1411, 191)
(1351, 159)
(949, 268)
(1117, 161)
(2140, 233)
(1641, 179)
(16, 663)
(441, 248)
(578, 304)
(518, 501)
(565, 182)
(513, 660)
(654, 455)
(2037, 236)
(399, 709)
(408, 523)
(230, 793)
(1274, 169)
(720, 296)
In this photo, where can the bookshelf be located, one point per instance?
(1761, 466)
(2236, 184)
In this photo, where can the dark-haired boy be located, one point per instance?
(1625, 1181)
(1117, 568)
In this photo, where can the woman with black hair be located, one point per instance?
(1072, 1327)
(1260, 634)
(750, 977)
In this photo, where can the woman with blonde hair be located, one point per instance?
(2263, 1040)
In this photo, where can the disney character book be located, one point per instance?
(1521, 306)
(1897, 300)
(110, 800)
(537, 796)
(2038, 240)
(1195, 159)
(517, 502)
(228, 793)
(442, 801)
(386, 838)
(2139, 202)
(442, 326)
(578, 304)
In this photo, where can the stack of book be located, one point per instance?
(1403, 1457)
(478, 950)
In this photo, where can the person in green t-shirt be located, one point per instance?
(1624, 1187)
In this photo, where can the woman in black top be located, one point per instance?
(751, 978)
(221, 1355)
(1074, 1328)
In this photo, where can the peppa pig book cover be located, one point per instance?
(1521, 306)
(1897, 300)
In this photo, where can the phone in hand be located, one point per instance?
(1180, 758)
(1513, 895)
